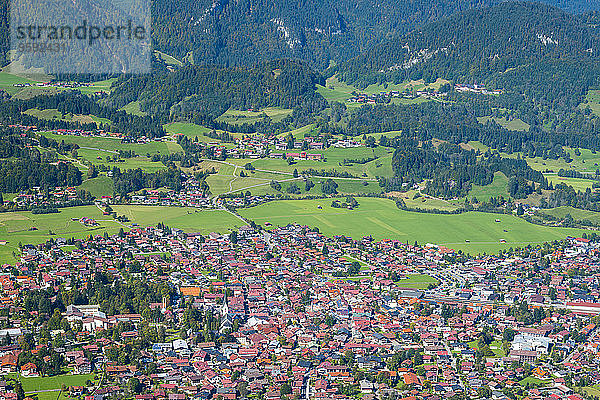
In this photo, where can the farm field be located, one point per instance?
(381, 219)
(15, 227)
(186, 219)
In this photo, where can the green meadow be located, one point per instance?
(186, 219)
(515, 124)
(239, 117)
(27, 228)
(383, 220)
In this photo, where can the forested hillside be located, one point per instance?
(479, 45)
(243, 32)
(209, 92)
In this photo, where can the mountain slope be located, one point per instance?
(242, 32)
(478, 44)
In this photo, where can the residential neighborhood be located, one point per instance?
(155, 313)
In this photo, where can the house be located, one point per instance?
(29, 370)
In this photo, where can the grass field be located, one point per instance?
(133, 108)
(54, 114)
(97, 150)
(186, 219)
(577, 183)
(169, 60)
(414, 200)
(98, 187)
(381, 166)
(592, 101)
(576, 213)
(417, 281)
(515, 124)
(239, 117)
(499, 187)
(188, 129)
(381, 219)
(15, 227)
(337, 91)
(109, 144)
(35, 384)
(8, 80)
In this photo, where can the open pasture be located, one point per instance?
(381, 219)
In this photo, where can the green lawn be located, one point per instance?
(381, 219)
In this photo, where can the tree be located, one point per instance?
(329, 186)
(286, 388)
(295, 174)
(19, 391)
(134, 385)
(508, 335)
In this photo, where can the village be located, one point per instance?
(290, 313)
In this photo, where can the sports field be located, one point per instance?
(381, 219)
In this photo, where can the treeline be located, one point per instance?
(135, 179)
(22, 174)
(450, 170)
(457, 123)
(74, 102)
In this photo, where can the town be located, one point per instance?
(156, 313)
